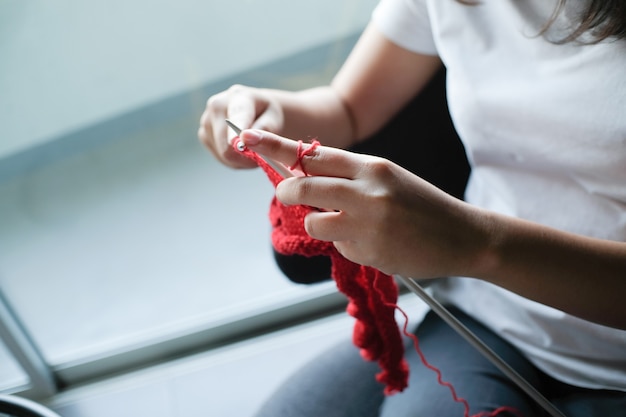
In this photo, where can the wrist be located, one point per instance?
(489, 237)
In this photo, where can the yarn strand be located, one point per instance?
(439, 374)
(301, 153)
(372, 295)
(376, 332)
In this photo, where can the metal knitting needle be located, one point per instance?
(446, 316)
(278, 167)
(493, 357)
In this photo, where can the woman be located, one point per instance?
(536, 254)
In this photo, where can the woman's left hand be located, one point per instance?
(377, 213)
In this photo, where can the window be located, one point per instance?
(122, 242)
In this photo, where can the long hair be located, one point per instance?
(602, 19)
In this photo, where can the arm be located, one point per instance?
(393, 77)
(383, 216)
(583, 276)
(375, 82)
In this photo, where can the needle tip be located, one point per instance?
(233, 126)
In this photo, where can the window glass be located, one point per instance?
(118, 230)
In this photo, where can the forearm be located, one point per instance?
(315, 113)
(375, 82)
(384, 216)
(582, 276)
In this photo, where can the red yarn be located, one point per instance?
(376, 332)
(301, 153)
(372, 295)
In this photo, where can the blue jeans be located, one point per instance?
(340, 383)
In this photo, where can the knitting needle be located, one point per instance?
(278, 167)
(481, 346)
(445, 315)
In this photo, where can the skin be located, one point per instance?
(379, 214)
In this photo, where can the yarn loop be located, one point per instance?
(376, 332)
(372, 295)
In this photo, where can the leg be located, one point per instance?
(579, 402)
(339, 383)
(474, 378)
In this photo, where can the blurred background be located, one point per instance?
(136, 273)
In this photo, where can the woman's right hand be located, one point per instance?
(246, 107)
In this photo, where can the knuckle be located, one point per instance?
(302, 190)
(212, 101)
(382, 191)
(379, 167)
(215, 102)
(236, 89)
(221, 100)
(294, 190)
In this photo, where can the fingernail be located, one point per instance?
(251, 137)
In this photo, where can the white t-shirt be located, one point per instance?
(544, 126)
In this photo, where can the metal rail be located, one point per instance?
(20, 344)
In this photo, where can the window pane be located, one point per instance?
(118, 229)
(96, 257)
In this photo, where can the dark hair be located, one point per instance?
(602, 19)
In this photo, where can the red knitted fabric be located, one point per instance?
(372, 295)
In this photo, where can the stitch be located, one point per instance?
(372, 295)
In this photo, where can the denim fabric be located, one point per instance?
(340, 383)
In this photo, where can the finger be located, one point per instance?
(240, 110)
(206, 129)
(322, 161)
(268, 119)
(326, 225)
(350, 250)
(204, 138)
(212, 121)
(326, 193)
(224, 153)
(221, 135)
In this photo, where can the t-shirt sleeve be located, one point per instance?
(406, 23)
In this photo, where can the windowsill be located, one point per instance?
(123, 243)
(233, 380)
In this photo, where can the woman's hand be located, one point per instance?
(376, 213)
(376, 81)
(246, 107)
